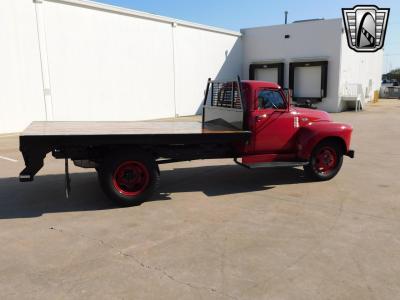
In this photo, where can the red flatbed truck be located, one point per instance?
(249, 121)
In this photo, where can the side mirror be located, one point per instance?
(288, 95)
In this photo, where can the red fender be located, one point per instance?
(313, 133)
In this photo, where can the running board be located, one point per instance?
(273, 164)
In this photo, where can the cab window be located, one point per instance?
(270, 99)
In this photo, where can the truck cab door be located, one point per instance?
(273, 124)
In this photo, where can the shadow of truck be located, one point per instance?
(46, 193)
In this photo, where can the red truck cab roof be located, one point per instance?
(255, 84)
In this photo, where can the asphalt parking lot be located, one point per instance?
(215, 231)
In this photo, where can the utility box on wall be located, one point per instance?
(315, 60)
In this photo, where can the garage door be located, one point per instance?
(271, 72)
(270, 75)
(307, 82)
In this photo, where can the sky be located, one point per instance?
(234, 14)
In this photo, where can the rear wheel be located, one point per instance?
(325, 162)
(129, 179)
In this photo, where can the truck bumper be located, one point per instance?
(350, 153)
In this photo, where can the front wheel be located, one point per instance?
(129, 179)
(325, 162)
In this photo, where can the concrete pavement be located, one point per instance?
(215, 231)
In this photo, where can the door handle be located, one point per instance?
(261, 117)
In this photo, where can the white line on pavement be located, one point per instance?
(9, 159)
(8, 135)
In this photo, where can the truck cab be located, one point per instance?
(281, 133)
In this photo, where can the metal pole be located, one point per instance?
(173, 26)
(286, 13)
(44, 61)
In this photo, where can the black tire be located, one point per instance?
(334, 159)
(139, 173)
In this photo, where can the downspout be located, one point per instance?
(173, 26)
(48, 104)
(339, 88)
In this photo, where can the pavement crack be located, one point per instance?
(163, 272)
(99, 241)
(173, 278)
(363, 275)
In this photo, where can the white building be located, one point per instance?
(80, 60)
(314, 60)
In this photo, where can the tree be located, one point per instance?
(395, 71)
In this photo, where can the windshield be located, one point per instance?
(270, 99)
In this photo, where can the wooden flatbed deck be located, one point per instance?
(50, 134)
(49, 128)
(40, 138)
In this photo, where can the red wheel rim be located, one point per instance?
(325, 160)
(131, 178)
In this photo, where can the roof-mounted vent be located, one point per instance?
(308, 20)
